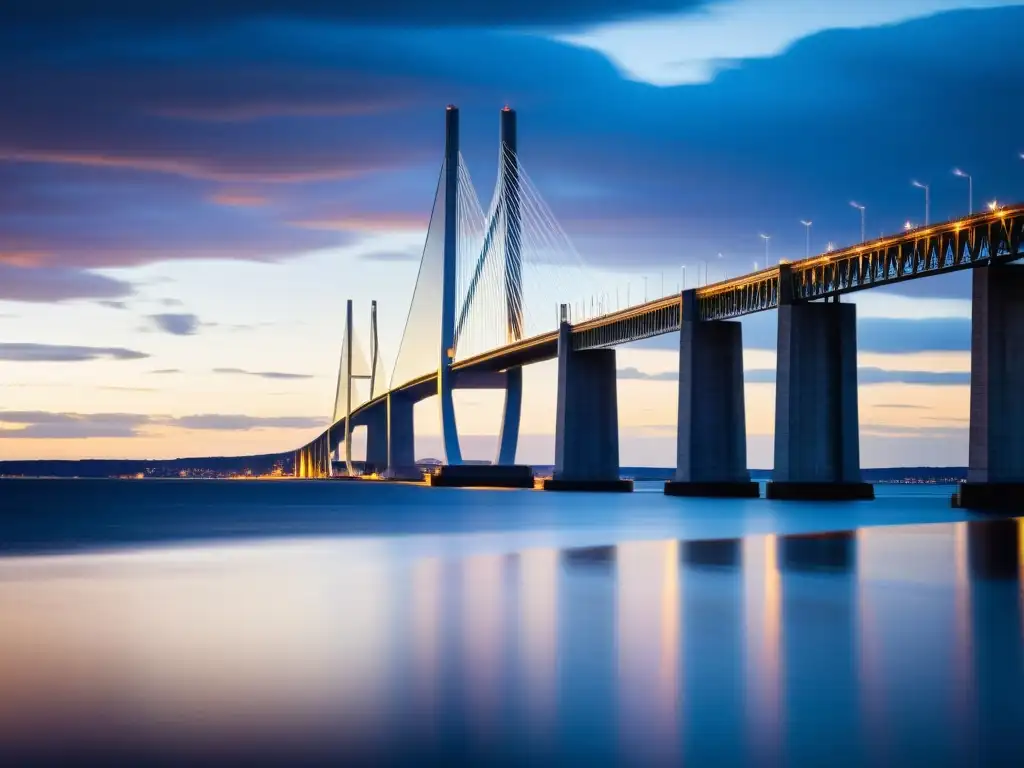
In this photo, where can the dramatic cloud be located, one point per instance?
(869, 375)
(865, 375)
(176, 324)
(402, 13)
(239, 199)
(60, 284)
(635, 374)
(56, 353)
(934, 433)
(239, 423)
(73, 217)
(641, 176)
(58, 426)
(277, 375)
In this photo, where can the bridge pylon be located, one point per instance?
(352, 368)
(449, 276)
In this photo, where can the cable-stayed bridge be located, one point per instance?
(495, 292)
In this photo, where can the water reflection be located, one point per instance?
(426, 645)
(762, 596)
(887, 645)
(538, 659)
(648, 610)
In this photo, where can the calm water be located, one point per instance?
(295, 622)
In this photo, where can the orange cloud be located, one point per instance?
(239, 199)
(196, 169)
(25, 259)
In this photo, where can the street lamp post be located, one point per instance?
(645, 290)
(705, 261)
(724, 275)
(682, 275)
(861, 208)
(766, 238)
(807, 224)
(970, 189)
(927, 198)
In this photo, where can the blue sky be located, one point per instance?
(189, 191)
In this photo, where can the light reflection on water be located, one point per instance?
(885, 645)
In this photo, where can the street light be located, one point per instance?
(993, 205)
(907, 225)
(767, 261)
(970, 189)
(682, 274)
(861, 208)
(808, 225)
(927, 198)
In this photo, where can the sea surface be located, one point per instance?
(297, 622)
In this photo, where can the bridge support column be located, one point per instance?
(401, 444)
(711, 448)
(817, 450)
(587, 423)
(995, 475)
(508, 441)
(376, 440)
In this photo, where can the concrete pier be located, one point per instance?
(995, 475)
(817, 450)
(508, 440)
(401, 441)
(587, 423)
(377, 439)
(711, 448)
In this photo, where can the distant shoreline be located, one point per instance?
(270, 465)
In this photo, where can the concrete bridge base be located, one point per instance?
(587, 424)
(482, 476)
(997, 497)
(689, 489)
(995, 474)
(711, 447)
(599, 486)
(376, 440)
(401, 441)
(819, 491)
(817, 451)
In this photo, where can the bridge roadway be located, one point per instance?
(990, 237)
(816, 409)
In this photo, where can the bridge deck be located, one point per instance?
(985, 238)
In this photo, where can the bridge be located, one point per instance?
(491, 298)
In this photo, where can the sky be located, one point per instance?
(189, 192)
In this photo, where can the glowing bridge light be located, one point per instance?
(907, 225)
(994, 205)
